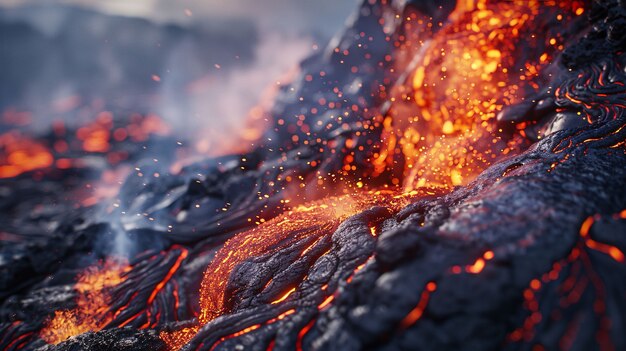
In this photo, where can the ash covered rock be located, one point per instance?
(122, 339)
(605, 39)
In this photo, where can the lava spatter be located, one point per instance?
(488, 55)
(445, 175)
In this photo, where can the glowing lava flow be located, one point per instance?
(438, 131)
(116, 294)
(490, 56)
(462, 79)
(576, 277)
(310, 220)
(91, 312)
(416, 313)
(610, 250)
(21, 154)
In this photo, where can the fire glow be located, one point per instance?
(305, 221)
(21, 155)
(446, 143)
(91, 312)
(439, 129)
(468, 72)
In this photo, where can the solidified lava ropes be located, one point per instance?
(446, 175)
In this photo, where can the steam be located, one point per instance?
(69, 63)
(122, 244)
(218, 104)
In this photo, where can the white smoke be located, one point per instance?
(220, 102)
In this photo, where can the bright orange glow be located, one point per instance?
(20, 154)
(320, 217)
(282, 316)
(169, 275)
(302, 334)
(535, 284)
(91, 312)
(234, 335)
(94, 288)
(95, 136)
(441, 122)
(610, 250)
(314, 219)
(284, 297)
(246, 330)
(586, 226)
(477, 267)
(442, 118)
(356, 270)
(488, 255)
(176, 340)
(326, 302)
(417, 312)
(373, 231)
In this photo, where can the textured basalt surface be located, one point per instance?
(528, 256)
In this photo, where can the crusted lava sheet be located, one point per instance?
(445, 175)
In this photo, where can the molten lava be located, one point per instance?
(305, 221)
(21, 154)
(489, 56)
(464, 77)
(91, 312)
(235, 254)
(310, 222)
